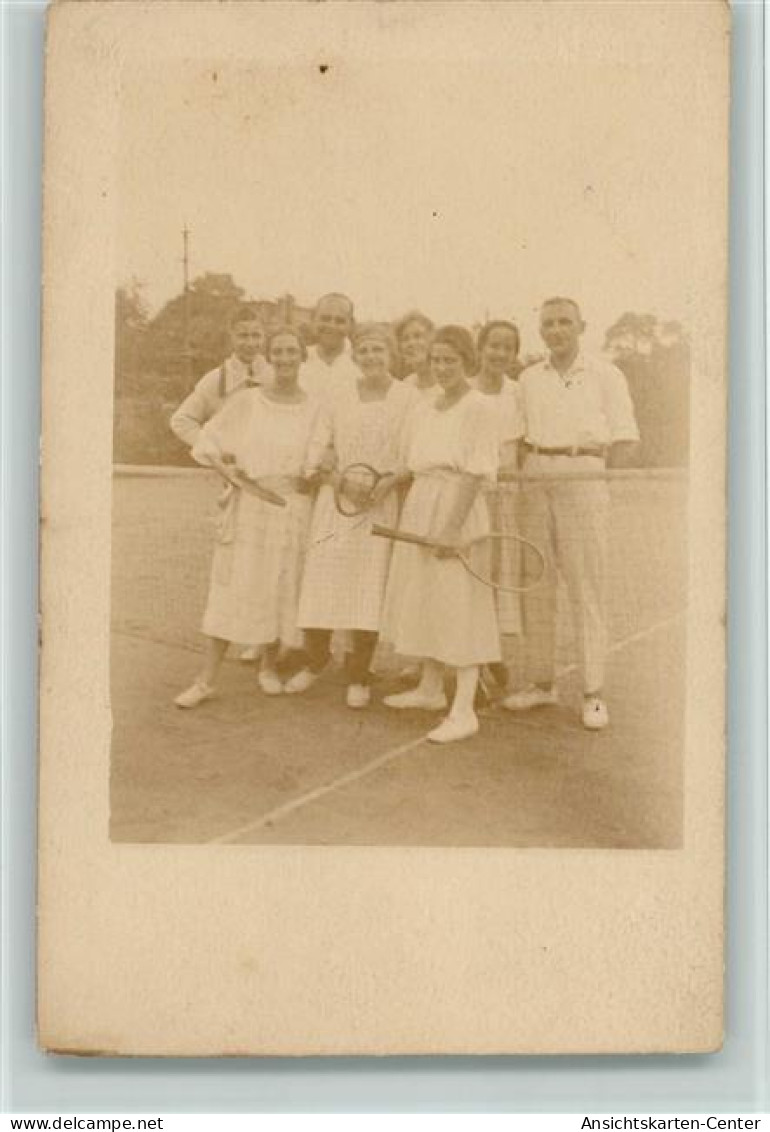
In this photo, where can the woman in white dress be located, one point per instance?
(498, 349)
(346, 569)
(264, 434)
(413, 336)
(434, 608)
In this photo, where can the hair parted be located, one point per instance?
(400, 325)
(497, 324)
(289, 331)
(461, 341)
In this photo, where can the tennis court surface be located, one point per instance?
(244, 768)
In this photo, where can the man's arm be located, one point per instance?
(623, 454)
(195, 410)
(624, 431)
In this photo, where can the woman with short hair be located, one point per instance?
(413, 335)
(263, 434)
(346, 569)
(498, 350)
(434, 608)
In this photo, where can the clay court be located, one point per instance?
(245, 768)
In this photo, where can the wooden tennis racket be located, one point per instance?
(355, 489)
(504, 562)
(242, 482)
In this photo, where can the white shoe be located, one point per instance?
(300, 681)
(269, 682)
(410, 672)
(452, 729)
(194, 695)
(358, 695)
(531, 697)
(249, 654)
(416, 699)
(595, 714)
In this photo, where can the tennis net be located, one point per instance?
(163, 536)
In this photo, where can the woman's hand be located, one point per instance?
(383, 488)
(310, 483)
(449, 542)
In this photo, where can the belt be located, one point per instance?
(575, 450)
(439, 474)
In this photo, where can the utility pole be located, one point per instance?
(186, 301)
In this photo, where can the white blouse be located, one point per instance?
(266, 438)
(462, 438)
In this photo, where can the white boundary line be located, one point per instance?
(382, 760)
(319, 792)
(625, 641)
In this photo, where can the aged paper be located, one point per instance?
(265, 876)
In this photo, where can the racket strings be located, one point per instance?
(354, 490)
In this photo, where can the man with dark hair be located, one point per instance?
(245, 366)
(329, 367)
(579, 418)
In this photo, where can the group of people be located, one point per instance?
(285, 579)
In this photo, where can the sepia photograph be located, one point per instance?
(402, 389)
(382, 676)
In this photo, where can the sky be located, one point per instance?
(468, 189)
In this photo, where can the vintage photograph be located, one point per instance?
(383, 528)
(402, 390)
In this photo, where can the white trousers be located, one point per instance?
(569, 523)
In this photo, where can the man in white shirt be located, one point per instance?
(245, 366)
(579, 418)
(329, 367)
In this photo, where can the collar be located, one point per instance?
(344, 354)
(241, 369)
(578, 366)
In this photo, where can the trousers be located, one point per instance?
(569, 522)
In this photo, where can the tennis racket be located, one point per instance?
(504, 562)
(355, 487)
(240, 480)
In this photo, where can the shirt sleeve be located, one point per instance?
(480, 439)
(223, 434)
(618, 406)
(196, 409)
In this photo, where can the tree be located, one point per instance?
(655, 357)
(130, 334)
(206, 309)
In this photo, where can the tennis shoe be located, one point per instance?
(358, 695)
(300, 682)
(269, 682)
(416, 699)
(531, 697)
(595, 714)
(249, 654)
(194, 695)
(454, 728)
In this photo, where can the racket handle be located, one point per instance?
(402, 536)
(253, 487)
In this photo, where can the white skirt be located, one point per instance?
(434, 608)
(346, 568)
(257, 571)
